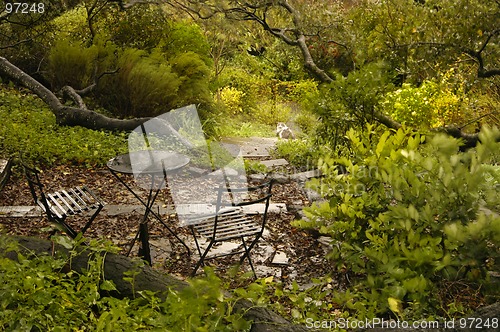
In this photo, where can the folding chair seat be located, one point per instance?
(230, 223)
(63, 203)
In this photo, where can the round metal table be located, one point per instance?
(155, 164)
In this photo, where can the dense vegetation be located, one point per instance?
(414, 222)
(40, 293)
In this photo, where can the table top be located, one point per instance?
(147, 162)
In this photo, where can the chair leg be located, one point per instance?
(133, 242)
(247, 254)
(89, 223)
(202, 257)
(196, 241)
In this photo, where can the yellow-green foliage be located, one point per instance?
(39, 294)
(232, 99)
(409, 218)
(71, 25)
(429, 105)
(30, 127)
(71, 64)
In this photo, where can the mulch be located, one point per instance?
(306, 254)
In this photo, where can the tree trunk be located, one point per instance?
(67, 115)
(115, 266)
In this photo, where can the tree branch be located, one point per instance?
(66, 115)
(478, 55)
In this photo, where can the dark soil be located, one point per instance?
(306, 255)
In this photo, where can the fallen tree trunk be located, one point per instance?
(68, 115)
(115, 267)
(79, 115)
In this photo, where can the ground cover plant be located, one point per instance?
(39, 292)
(29, 127)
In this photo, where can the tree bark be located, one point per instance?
(68, 115)
(115, 267)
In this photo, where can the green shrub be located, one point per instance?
(408, 220)
(194, 77)
(232, 100)
(301, 153)
(429, 105)
(187, 38)
(145, 85)
(155, 70)
(71, 64)
(126, 28)
(39, 293)
(349, 102)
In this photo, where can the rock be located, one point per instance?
(304, 176)
(274, 163)
(280, 178)
(312, 195)
(280, 258)
(260, 178)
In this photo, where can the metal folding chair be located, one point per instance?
(63, 203)
(230, 222)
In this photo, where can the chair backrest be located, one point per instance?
(263, 192)
(36, 188)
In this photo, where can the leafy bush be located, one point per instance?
(408, 221)
(301, 153)
(232, 100)
(270, 113)
(30, 127)
(156, 69)
(144, 86)
(71, 64)
(186, 38)
(126, 28)
(349, 102)
(429, 105)
(39, 293)
(193, 75)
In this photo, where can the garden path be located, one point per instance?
(284, 252)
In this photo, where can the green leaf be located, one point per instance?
(107, 285)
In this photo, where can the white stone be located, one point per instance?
(263, 271)
(280, 258)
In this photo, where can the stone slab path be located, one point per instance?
(253, 146)
(115, 210)
(264, 252)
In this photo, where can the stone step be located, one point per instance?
(115, 210)
(200, 209)
(280, 258)
(304, 176)
(274, 163)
